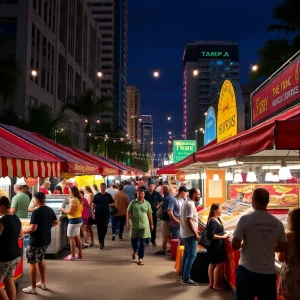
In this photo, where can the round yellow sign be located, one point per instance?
(227, 125)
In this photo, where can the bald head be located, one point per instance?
(260, 198)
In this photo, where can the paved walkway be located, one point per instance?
(110, 274)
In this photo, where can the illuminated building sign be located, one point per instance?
(218, 54)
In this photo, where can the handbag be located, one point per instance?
(204, 241)
(113, 210)
(160, 213)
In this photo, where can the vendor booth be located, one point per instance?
(19, 158)
(267, 155)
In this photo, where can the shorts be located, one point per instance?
(35, 255)
(165, 229)
(85, 221)
(175, 232)
(74, 229)
(7, 269)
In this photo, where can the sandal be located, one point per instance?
(140, 263)
(70, 257)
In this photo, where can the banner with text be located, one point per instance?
(183, 149)
(280, 94)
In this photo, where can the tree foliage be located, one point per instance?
(277, 51)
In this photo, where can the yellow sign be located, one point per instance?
(66, 175)
(282, 189)
(247, 189)
(227, 123)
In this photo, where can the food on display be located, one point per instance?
(289, 199)
(274, 200)
(25, 223)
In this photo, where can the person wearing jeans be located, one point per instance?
(140, 224)
(119, 218)
(189, 234)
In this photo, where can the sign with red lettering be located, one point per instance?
(180, 176)
(83, 168)
(280, 94)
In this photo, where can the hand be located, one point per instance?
(197, 237)
(128, 226)
(93, 216)
(226, 236)
(151, 227)
(61, 209)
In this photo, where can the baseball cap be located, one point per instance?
(183, 189)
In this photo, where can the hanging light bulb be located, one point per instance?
(237, 178)
(269, 176)
(229, 176)
(284, 171)
(20, 181)
(251, 176)
(216, 177)
(275, 178)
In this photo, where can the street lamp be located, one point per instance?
(255, 67)
(99, 74)
(196, 72)
(169, 118)
(34, 73)
(156, 74)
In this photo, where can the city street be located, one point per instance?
(111, 274)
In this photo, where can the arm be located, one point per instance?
(1, 228)
(90, 199)
(160, 200)
(128, 218)
(111, 200)
(238, 235)
(54, 223)
(189, 223)
(150, 221)
(283, 244)
(13, 205)
(31, 206)
(30, 229)
(68, 211)
(170, 211)
(93, 210)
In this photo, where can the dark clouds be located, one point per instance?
(158, 32)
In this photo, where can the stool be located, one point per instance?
(173, 248)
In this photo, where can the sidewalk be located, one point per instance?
(110, 274)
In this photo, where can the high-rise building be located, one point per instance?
(147, 134)
(112, 18)
(61, 42)
(134, 116)
(205, 67)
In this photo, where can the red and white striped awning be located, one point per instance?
(22, 159)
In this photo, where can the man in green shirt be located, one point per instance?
(140, 224)
(19, 203)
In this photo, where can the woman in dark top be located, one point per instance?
(10, 231)
(216, 252)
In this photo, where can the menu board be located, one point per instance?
(281, 195)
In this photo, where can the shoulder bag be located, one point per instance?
(204, 241)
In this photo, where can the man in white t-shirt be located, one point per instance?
(259, 234)
(189, 234)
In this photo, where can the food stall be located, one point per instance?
(19, 158)
(267, 155)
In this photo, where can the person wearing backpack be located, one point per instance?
(165, 221)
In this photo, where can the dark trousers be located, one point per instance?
(250, 285)
(138, 245)
(118, 220)
(153, 232)
(102, 224)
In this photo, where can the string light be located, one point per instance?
(254, 67)
(99, 74)
(34, 73)
(156, 74)
(196, 72)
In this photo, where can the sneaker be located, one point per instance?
(101, 246)
(154, 244)
(113, 238)
(84, 246)
(189, 282)
(30, 290)
(70, 257)
(160, 252)
(121, 238)
(41, 285)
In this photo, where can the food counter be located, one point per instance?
(232, 212)
(19, 269)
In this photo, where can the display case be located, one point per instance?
(59, 239)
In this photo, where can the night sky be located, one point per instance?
(158, 33)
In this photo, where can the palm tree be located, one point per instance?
(89, 107)
(10, 72)
(276, 51)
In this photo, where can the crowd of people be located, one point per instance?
(139, 204)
